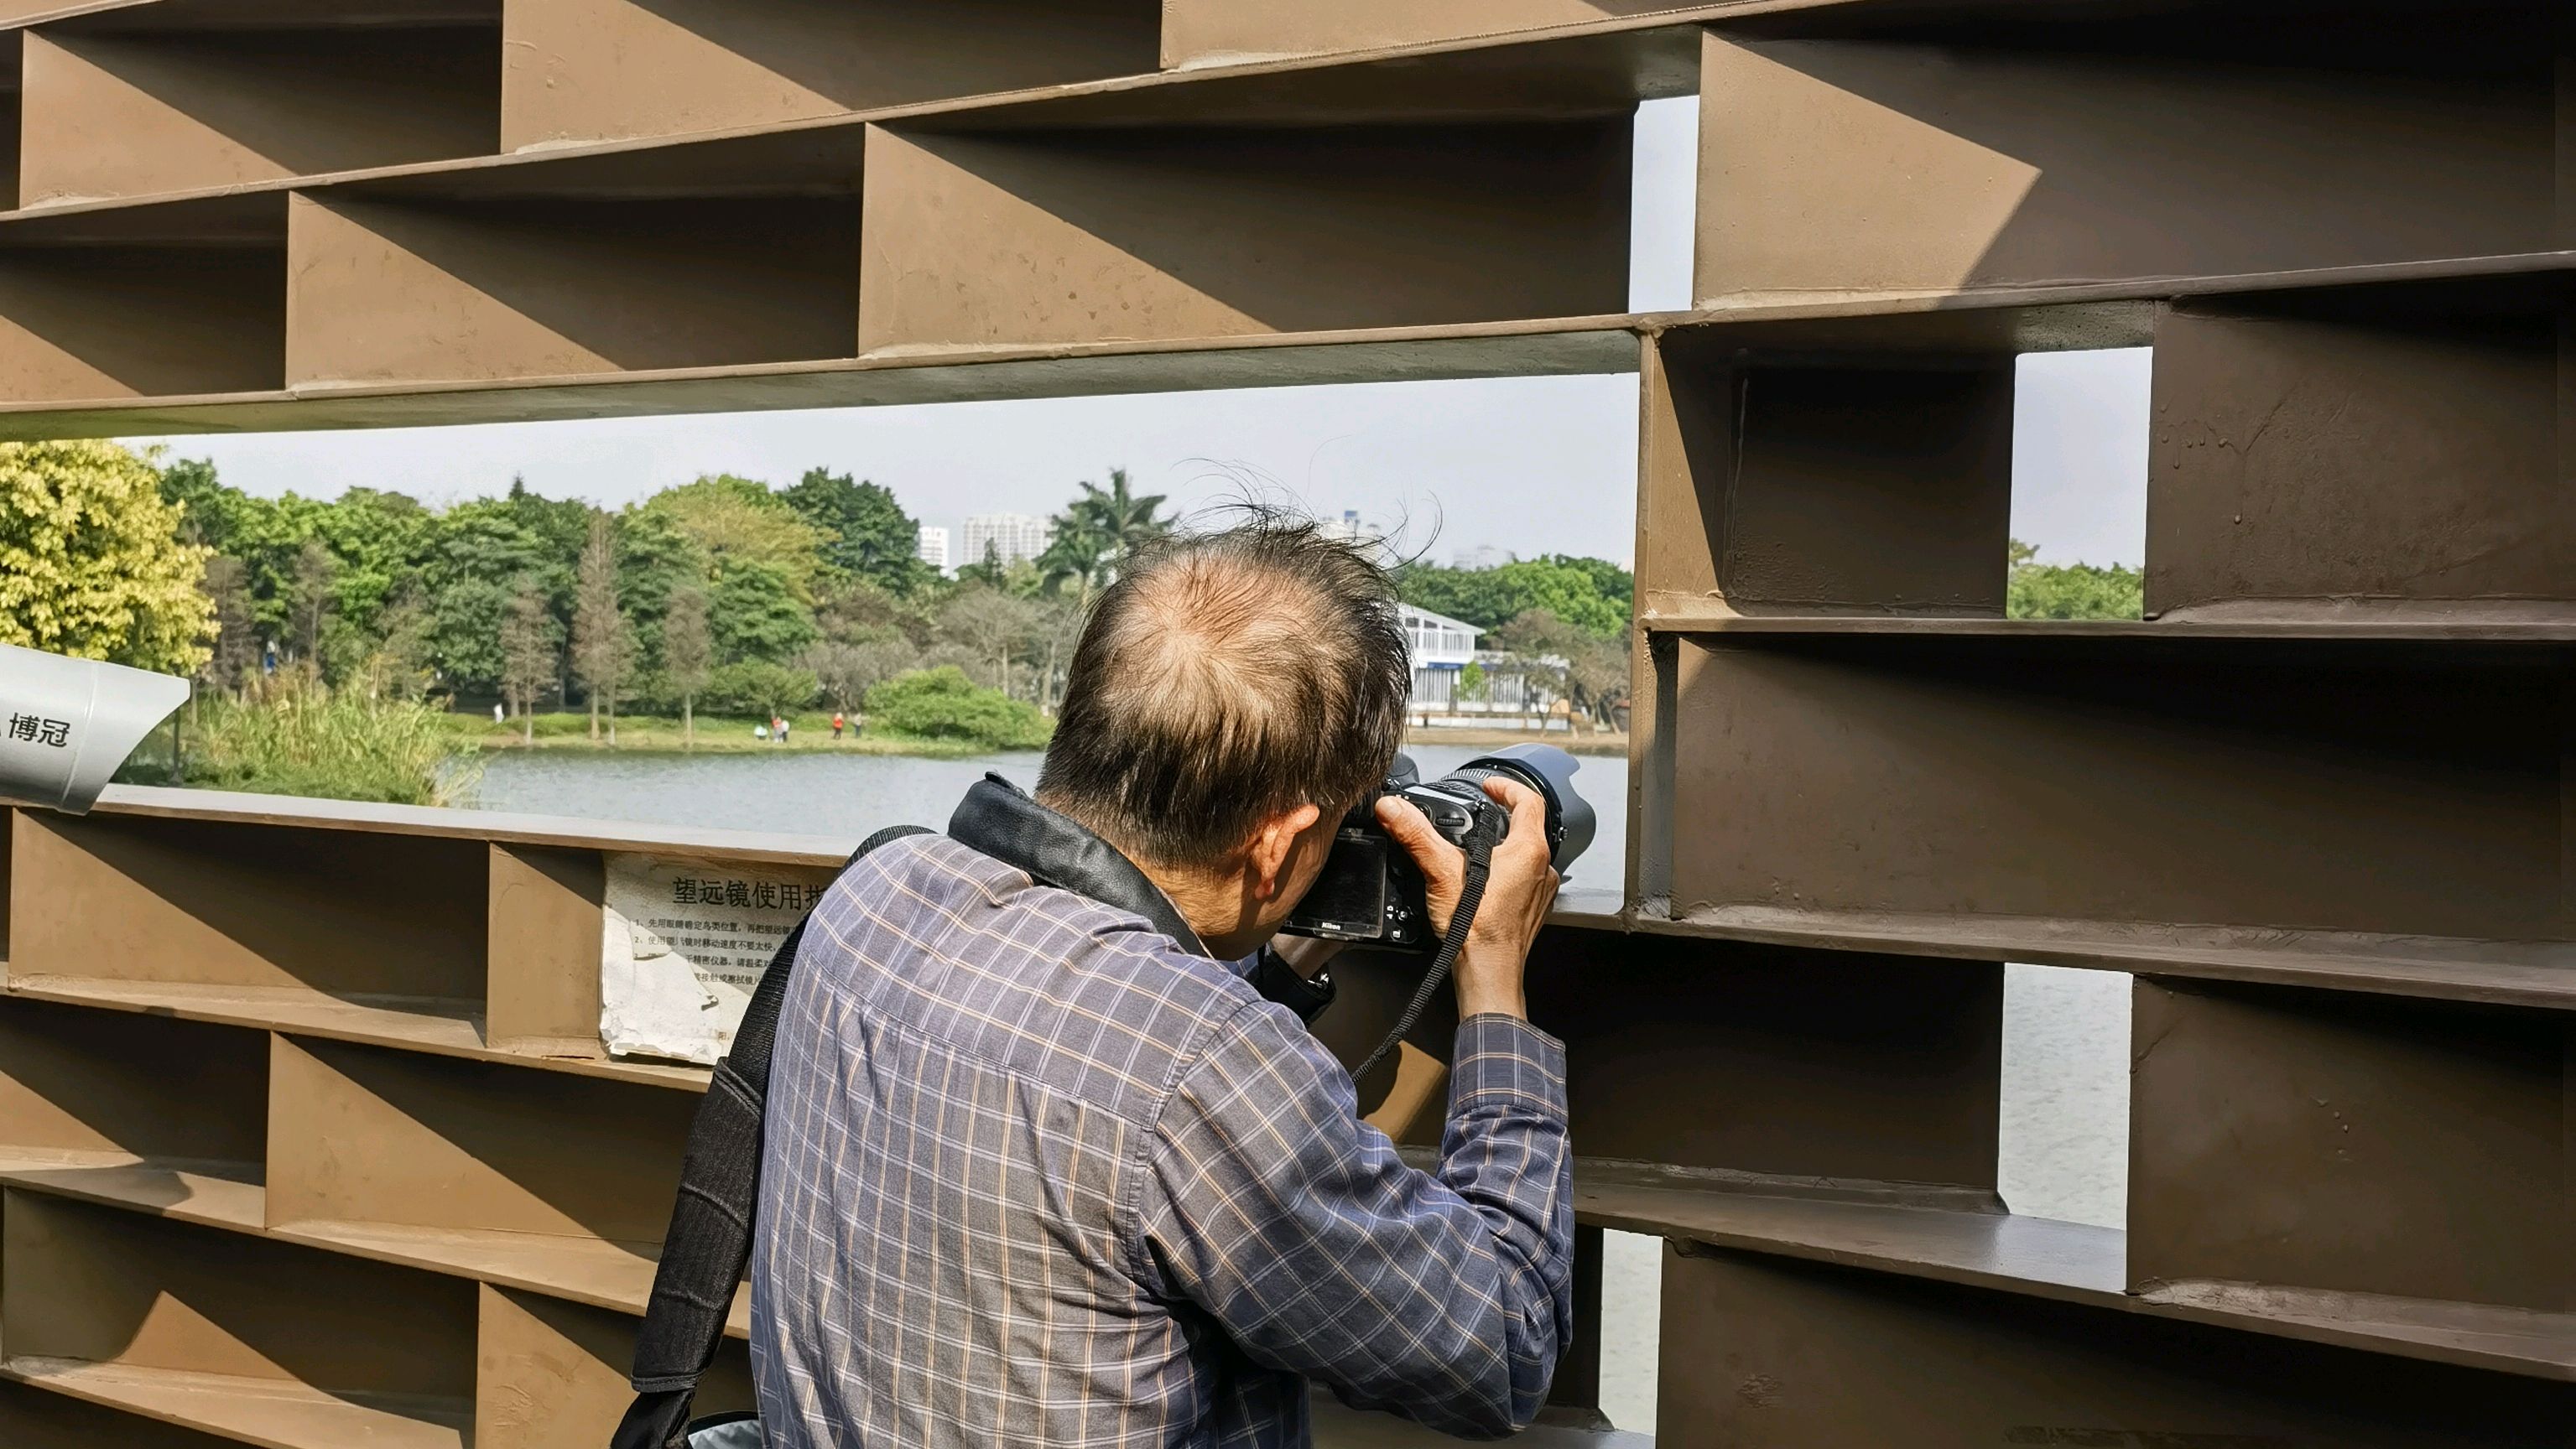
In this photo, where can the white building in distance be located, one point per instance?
(1439, 647)
(1345, 528)
(1010, 536)
(933, 548)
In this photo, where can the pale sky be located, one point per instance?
(1523, 465)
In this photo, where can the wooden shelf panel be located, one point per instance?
(121, 111)
(2250, 809)
(2511, 973)
(551, 1182)
(34, 1418)
(269, 1413)
(172, 1111)
(593, 70)
(235, 1334)
(1932, 167)
(201, 903)
(1067, 237)
(553, 1374)
(576, 1270)
(2536, 626)
(180, 1193)
(2070, 1263)
(1850, 1357)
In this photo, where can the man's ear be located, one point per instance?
(1274, 843)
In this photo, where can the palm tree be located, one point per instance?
(1099, 531)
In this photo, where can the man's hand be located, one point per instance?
(1518, 893)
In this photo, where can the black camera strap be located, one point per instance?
(1479, 845)
(709, 1242)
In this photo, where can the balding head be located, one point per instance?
(1225, 679)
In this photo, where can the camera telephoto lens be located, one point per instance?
(1550, 771)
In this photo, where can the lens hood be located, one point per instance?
(1549, 770)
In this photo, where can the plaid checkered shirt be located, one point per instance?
(1035, 1175)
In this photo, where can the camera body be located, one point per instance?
(1370, 892)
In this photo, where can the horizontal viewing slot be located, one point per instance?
(534, 1180)
(553, 1374)
(125, 321)
(236, 1335)
(263, 925)
(591, 70)
(1071, 237)
(2384, 817)
(145, 1112)
(428, 291)
(140, 113)
(1985, 1368)
(1837, 170)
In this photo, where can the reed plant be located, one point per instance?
(291, 736)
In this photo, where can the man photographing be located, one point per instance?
(1050, 1158)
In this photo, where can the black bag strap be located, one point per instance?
(709, 1242)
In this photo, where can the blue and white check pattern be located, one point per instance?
(1033, 1175)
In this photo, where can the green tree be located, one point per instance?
(2035, 590)
(1591, 594)
(943, 704)
(1098, 532)
(603, 647)
(478, 557)
(1587, 669)
(736, 521)
(755, 613)
(531, 647)
(865, 533)
(91, 562)
(687, 655)
(760, 688)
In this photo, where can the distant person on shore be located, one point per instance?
(778, 728)
(500, 715)
(837, 724)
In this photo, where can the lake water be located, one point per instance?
(2064, 1137)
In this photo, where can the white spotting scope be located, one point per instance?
(66, 724)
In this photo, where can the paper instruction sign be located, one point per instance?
(683, 944)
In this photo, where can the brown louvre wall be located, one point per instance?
(1765, 1354)
(232, 1334)
(167, 1115)
(1221, 32)
(139, 113)
(249, 919)
(553, 1374)
(2375, 814)
(2362, 1194)
(1880, 486)
(1114, 236)
(33, 1418)
(438, 291)
(592, 70)
(2361, 465)
(113, 323)
(1845, 170)
(554, 1182)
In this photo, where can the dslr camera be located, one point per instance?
(1372, 894)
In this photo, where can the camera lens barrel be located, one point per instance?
(1549, 770)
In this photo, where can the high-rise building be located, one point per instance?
(1010, 536)
(934, 548)
(1346, 527)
